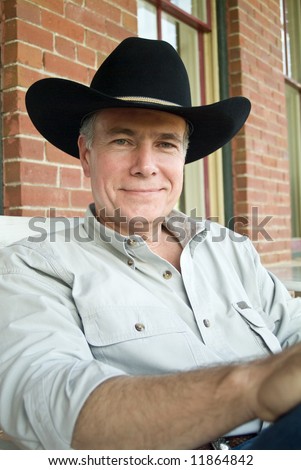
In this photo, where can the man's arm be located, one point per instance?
(186, 410)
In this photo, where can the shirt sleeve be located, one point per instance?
(47, 370)
(279, 308)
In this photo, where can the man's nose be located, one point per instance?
(144, 161)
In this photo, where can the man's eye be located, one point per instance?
(167, 145)
(120, 141)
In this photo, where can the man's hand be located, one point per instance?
(280, 389)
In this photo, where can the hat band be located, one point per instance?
(145, 99)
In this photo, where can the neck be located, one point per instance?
(151, 232)
(166, 246)
(157, 237)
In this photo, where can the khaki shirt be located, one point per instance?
(84, 304)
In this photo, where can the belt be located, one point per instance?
(224, 443)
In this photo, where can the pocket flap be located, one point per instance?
(109, 325)
(249, 314)
(260, 323)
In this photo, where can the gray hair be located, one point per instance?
(87, 130)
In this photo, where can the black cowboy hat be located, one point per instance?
(139, 73)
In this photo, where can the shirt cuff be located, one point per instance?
(54, 403)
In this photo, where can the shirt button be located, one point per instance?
(167, 274)
(130, 262)
(131, 242)
(139, 327)
(206, 322)
(242, 304)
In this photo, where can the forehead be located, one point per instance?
(139, 119)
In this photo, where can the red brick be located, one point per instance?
(80, 212)
(129, 22)
(80, 198)
(25, 212)
(100, 43)
(106, 9)
(65, 47)
(63, 67)
(35, 35)
(13, 100)
(24, 54)
(9, 53)
(11, 172)
(9, 30)
(28, 11)
(8, 10)
(129, 5)
(30, 172)
(12, 196)
(86, 56)
(56, 6)
(18, 124)
(44, 196)
(93, 19)
(58, 24)
(55, 155)
(116, 31)
(11, 125)
(70, 177)
(23, 148)
(19, 75)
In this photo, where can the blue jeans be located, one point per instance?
(284, 434)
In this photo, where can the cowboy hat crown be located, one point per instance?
(139, 73)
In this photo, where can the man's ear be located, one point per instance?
(84, 155)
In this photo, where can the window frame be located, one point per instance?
(182, 15)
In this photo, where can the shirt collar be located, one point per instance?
(180, 225)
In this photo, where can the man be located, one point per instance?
(145, 329)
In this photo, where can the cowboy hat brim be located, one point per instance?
(57, 107)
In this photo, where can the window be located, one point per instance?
(291, 22)
(197, 8)
(187, 26)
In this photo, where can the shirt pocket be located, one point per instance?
(259, 325)
(139, 339)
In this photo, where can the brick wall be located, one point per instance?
(260, 159)
(40, 38)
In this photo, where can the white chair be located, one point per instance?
(13, 228)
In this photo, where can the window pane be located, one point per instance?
(196, 8)
(185, 40)
(293, 38)
(147, 20)
(170, 31)
(294, 126)
(283, 37)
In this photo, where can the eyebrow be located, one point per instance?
(130, 132)
(121, 130)
(171, 136)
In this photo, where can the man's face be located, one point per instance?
(135, 163)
